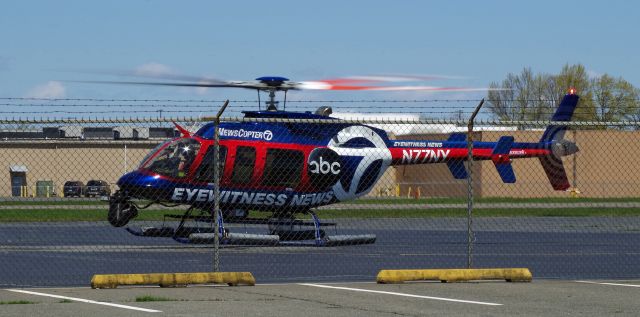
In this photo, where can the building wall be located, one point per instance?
(61, 161)
(434, 180)
(606, 166)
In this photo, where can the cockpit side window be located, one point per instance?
(175, 159)
(283, 168)
(206, 171)
(155, 149)
(243, 165)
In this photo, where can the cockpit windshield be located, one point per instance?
(175, 159)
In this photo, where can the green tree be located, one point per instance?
(635, 113)
(614, 98)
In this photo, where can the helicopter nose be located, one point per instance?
(127, 179)
(137, 180)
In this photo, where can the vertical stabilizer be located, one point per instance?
(553, 136)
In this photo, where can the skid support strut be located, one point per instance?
(318, 233)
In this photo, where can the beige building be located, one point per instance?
(28, 162)
(604, 167)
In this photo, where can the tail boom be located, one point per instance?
(457, 152)
(454, 151)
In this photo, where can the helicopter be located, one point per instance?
(287, 168)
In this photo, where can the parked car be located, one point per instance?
(73, 189)
(97, 187)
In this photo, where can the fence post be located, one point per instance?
(470, 184)
(125, 158)
(575, 161)
(216, 189)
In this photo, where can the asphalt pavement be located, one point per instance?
(539, 298)
(68, 254)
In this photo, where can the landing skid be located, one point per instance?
(282, 231)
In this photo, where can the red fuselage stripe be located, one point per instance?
(404, 156)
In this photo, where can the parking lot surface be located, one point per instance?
(489, 298)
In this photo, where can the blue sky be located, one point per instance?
(305, 40)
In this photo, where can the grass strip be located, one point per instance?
(382, 201)
(70, 215)
(451, 200)
(65, 202)
(489, 212)
(17, 302)
(67, 215)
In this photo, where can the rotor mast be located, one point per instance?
(273, 84)
(272, 104)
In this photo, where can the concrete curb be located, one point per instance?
(172, 279)
(454, 275)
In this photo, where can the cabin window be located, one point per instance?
(206, 171)
(243, 165)
(283, 168)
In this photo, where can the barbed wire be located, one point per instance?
(181, 106)
(435, 110)
(290, 100)
(161, 112)
(380, 120)
(160, 107)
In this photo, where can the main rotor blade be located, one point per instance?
(248, 85)
(324, 85)
(169, 76)
(373, 83)
(391, 78)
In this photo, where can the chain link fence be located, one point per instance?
(301, 198)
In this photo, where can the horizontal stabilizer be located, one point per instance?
(503, 146)
(457, 166)
(457, 169)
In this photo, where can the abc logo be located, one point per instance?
(324, 167)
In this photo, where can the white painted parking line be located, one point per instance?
(82, 300)
(402, 294)
(612, 284)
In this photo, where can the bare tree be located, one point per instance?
(520, 97)
(501, 100)
(529, 96)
